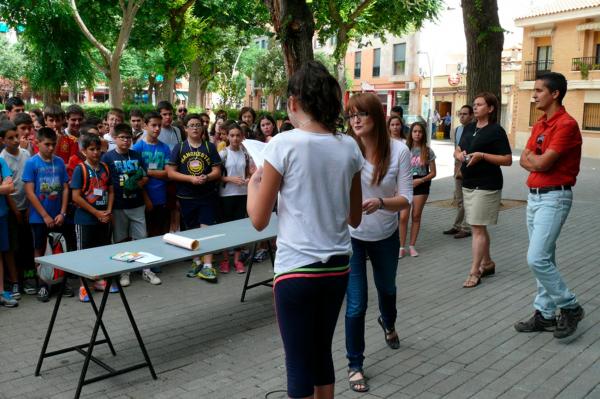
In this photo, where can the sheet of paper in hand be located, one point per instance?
(255, 149)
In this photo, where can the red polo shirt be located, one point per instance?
(560, 133)
(66, 147)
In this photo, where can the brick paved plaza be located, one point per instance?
(455, 343)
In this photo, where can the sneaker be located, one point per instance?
(462, 234)
(239, 267)
(536, 323)
(149, 276)
(244, 255)
(402, 253)
(113, 289)
(68, 292)
(43, 295)
(224, 266)
(6, 299)
(413, 252)
(15, 292)
(30, 287)
(125, 280)
(208, 274)
(567, 322)
(260, 256)
(100, 285)
(83, 295)
(451, 231)
(193, 272)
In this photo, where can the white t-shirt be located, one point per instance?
(314, 198)
(397, 181)
(112, 144)
(17, 165)
(236, 166)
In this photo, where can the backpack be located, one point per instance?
(85, 174)
(49, 274)
(224, 162)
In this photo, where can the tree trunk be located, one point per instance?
(51, 96)
(293, 21)
(168, 85)
(151, 85)
(485, 40)
(194, 89)
(115, 88)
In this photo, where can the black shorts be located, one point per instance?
(233, 208)
(92, 235)
(197, 211)
(158, 220)
(423, 188)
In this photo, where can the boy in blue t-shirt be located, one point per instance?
(6, 188)
(47, 189)
(94, 197)
(156, 155)
(128, 175)
(195, 166)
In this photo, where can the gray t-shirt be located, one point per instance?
(418, 167)
(17, 165)
(171, 136)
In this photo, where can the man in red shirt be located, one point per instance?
(66, 146)
(552, 157)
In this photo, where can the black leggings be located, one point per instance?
(307, 312)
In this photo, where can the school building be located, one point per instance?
(562, 36)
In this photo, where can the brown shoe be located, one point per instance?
(451, 231)
(462, 234)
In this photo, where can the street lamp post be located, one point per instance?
(431, 102)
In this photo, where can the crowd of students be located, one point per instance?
(100, 181)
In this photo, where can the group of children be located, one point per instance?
(98, 182)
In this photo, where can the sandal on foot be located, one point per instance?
(359, 385)
(393, 342)
(472, 281)
(487, 269)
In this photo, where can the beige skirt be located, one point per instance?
(481, 206)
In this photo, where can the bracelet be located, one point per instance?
(381, 205)
(482, 156)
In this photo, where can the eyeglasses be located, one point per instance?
(195, 126)
(360, 115)
(124, 138)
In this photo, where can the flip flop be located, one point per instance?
(394, 342)
(359, 385)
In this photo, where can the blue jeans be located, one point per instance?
(546, 214)
(384, 259)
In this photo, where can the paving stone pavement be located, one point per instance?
(455, 343)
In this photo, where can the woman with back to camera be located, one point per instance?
(316, 174)
(483, 148)
(387, 189)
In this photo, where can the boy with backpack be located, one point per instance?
(93, 194)
(195, 166)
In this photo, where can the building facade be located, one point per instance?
(562, 36)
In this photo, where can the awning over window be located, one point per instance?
(588, 26)
(541, 33)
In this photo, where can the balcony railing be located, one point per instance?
(535, 68)
(585, 63)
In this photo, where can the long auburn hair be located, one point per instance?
(423, 145)
(370, 103)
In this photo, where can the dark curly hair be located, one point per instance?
(318, 92)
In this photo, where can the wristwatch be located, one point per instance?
(380, 203)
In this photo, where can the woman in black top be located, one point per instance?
(483, 148)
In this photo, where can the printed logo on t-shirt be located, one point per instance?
(129, 175)
(50, 184)
(197, 162)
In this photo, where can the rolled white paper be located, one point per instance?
(183, 242)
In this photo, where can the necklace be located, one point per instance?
(302, 124)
